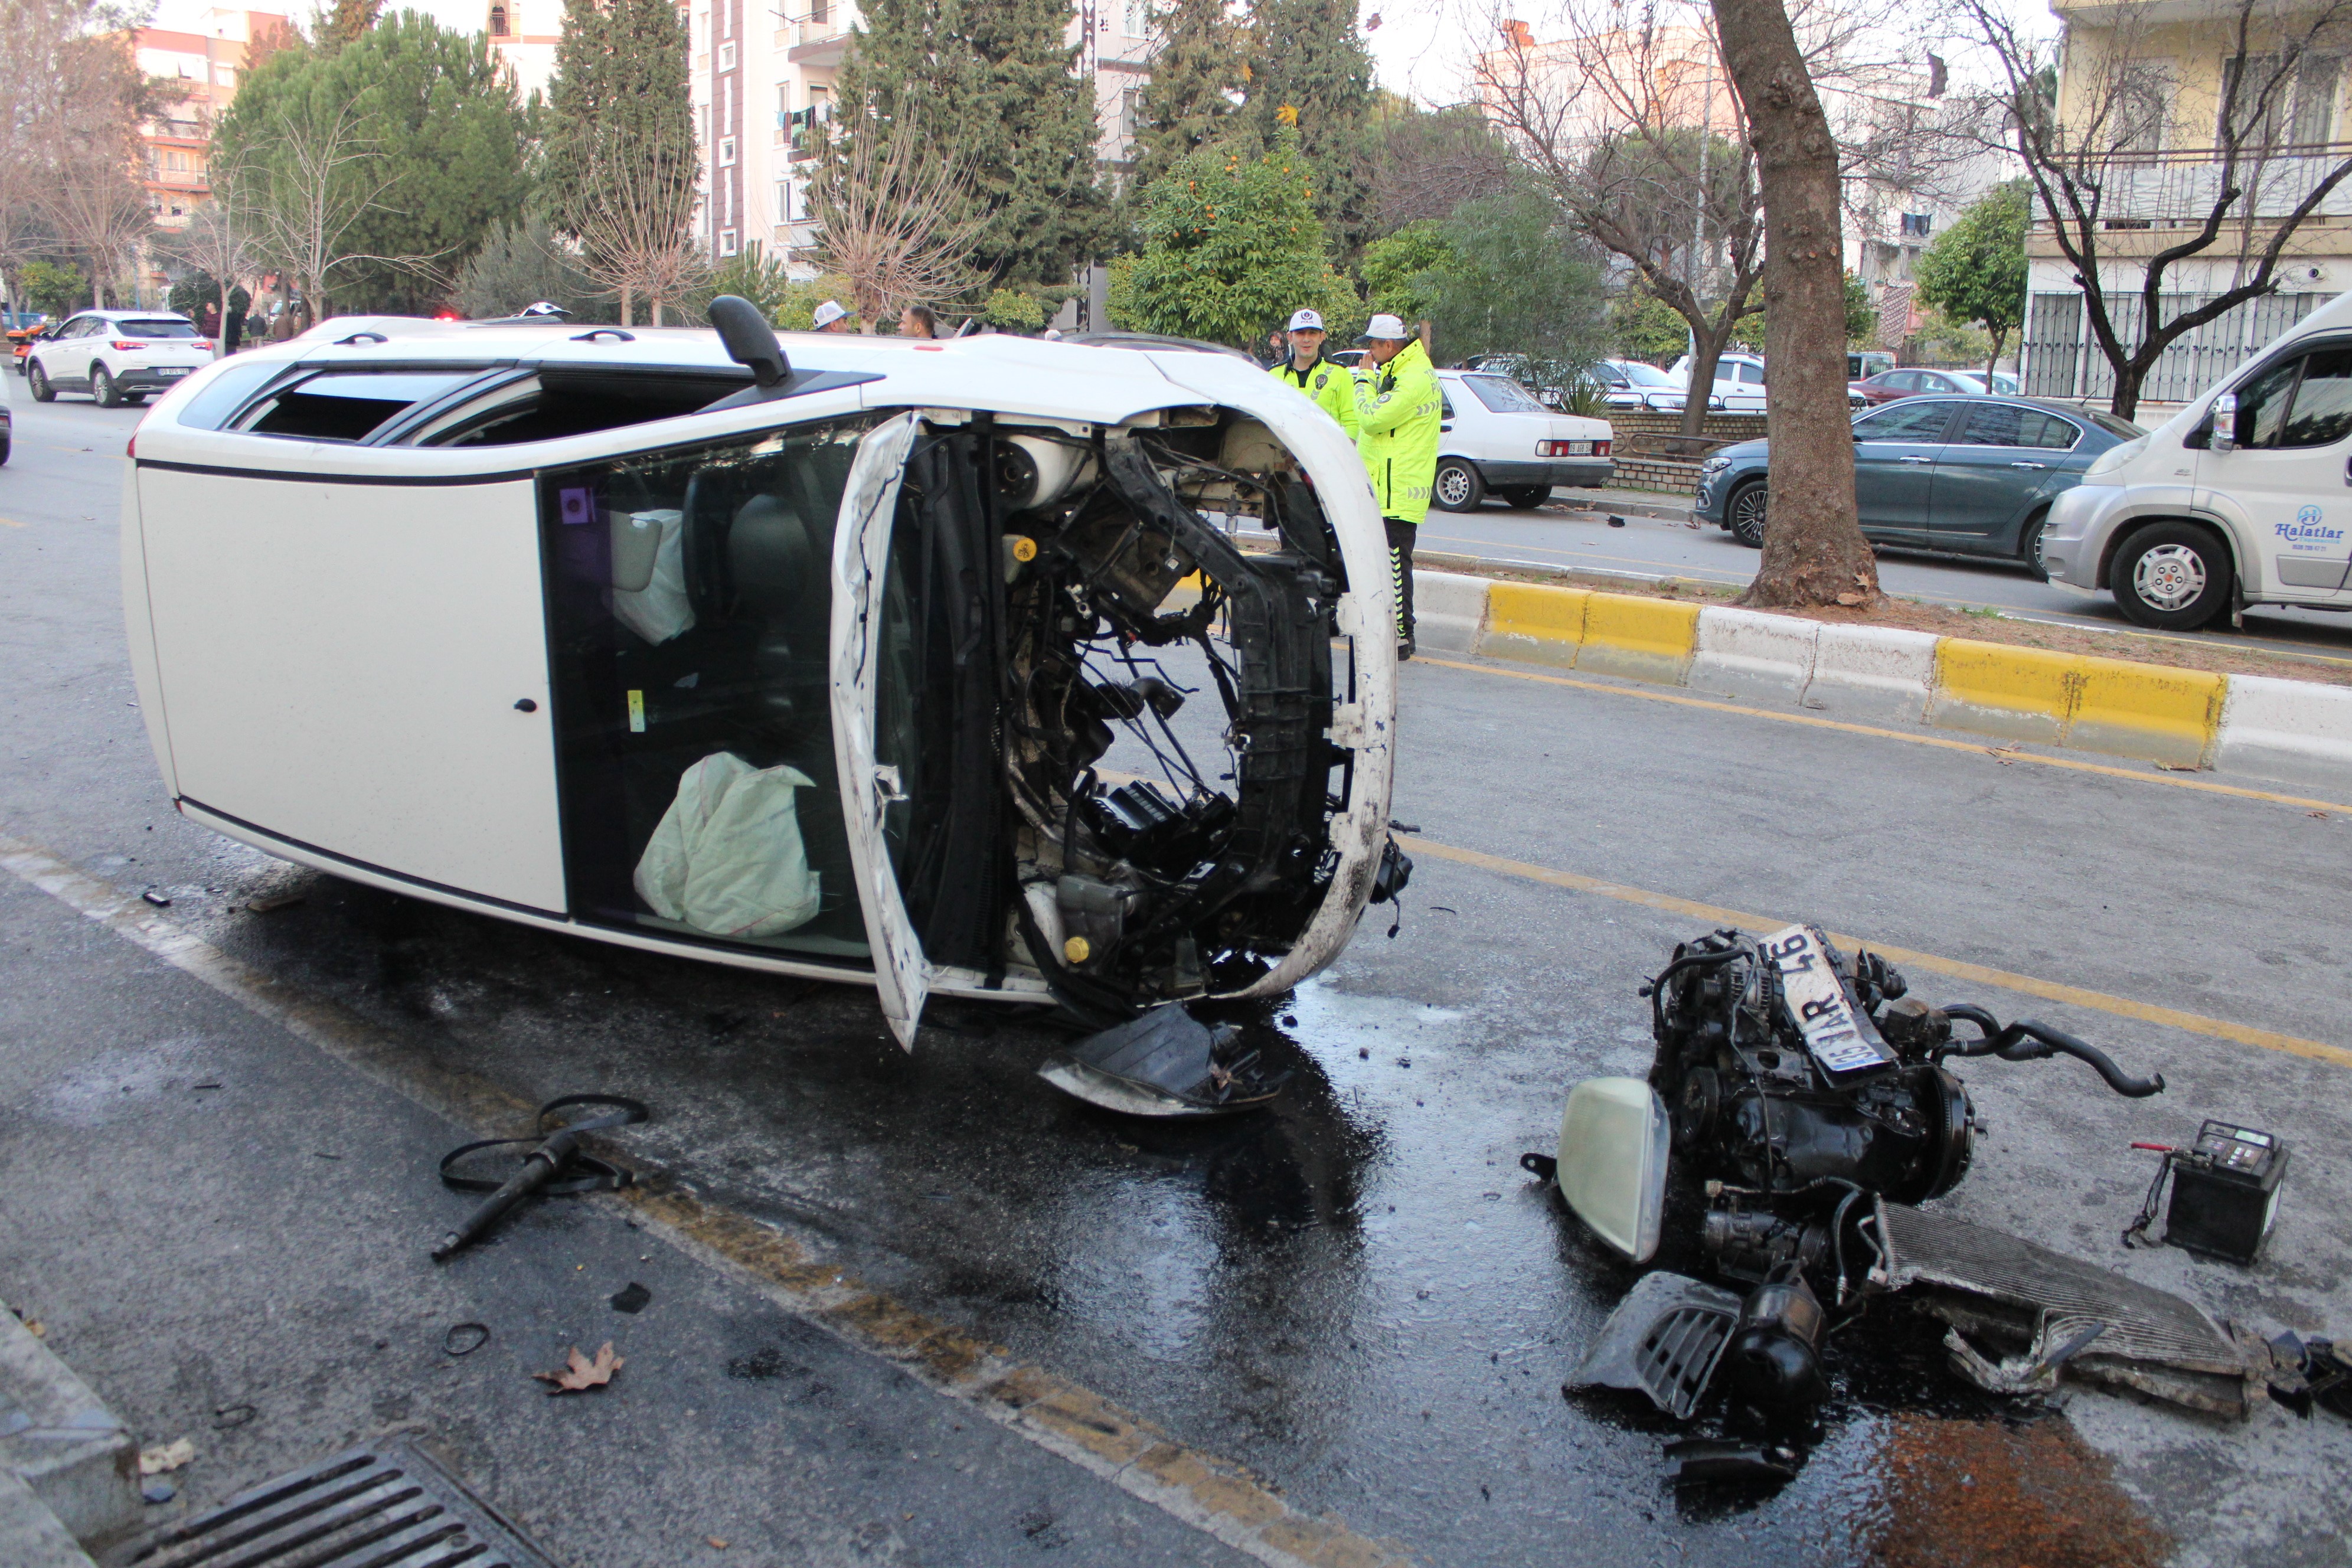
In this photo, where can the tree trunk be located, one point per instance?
(1706, 352)
(628, 305)
(1999, 336)
(1814, 553)
(2125, 402)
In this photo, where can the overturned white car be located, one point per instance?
(808, 667)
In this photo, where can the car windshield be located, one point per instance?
(1648, 375)
(1503, 396)
(157, 327)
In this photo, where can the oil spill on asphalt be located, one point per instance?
(1355, 1292)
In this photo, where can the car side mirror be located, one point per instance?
(2224, 423)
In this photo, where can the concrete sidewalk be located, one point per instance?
(225, 1234)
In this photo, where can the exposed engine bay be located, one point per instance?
(1809, 1097)
(1061, 591)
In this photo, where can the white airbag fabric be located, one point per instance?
(727, 857)
(659, 609)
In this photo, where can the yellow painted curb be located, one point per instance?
(2111, 705)
(1641, 640)
(1540, 625)
(2147, 710)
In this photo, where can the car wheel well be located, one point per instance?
(2139, 525)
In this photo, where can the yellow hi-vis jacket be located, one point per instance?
(1398, 411)
(1331, 387)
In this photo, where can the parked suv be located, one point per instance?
(116, 356)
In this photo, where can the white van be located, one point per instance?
(2243, 498)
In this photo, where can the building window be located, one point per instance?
(726, 151)
(726, 242)
(1916, 224)
(498, 21)
(727, 57)
(2274, 104)
(820, 12)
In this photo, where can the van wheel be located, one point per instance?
(1457, 487)
(42, 391)
(2173, 576)
(2029, 547)
(1744, 514)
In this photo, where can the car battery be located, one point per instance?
(2225, 1192)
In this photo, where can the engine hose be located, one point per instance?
(2028, 1040)
(1655, 989)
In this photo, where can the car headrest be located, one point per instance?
(770, 555)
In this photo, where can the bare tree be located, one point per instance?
(886, 221)
(1814, 553)
(300, 197)
(2103, 175)
(219, 240)
(1631, 120)
(71, 98)
(634, 220)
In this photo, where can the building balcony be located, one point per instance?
(2181, 186)
(819, 44)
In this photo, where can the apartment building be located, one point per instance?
(1911, 175)
(523, 34)
(203, 64)
(2141, 96)
(763, 74)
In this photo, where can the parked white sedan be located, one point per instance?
(1496, 439)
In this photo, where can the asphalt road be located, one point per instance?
(1565, 535)
(1356, 1295)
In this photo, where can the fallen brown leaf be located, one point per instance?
(40, 1331)
(716, 1542)
(2321, 814)
(581, 1372)
(1849, 598)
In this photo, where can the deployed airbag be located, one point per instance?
(727, 857)
(649, 574)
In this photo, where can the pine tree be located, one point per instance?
(1308, 67)
(620, 81)
(1196, 73)
(345, 24)
(991, 85)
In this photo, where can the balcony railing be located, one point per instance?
(2182, 185)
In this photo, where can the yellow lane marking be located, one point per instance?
(1813, 721)
(1210, 1494)
(10, 522)
(2049, 990)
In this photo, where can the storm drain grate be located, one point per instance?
(384, 1505)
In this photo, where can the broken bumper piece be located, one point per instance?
(1663, 1340)
(1166, 1063)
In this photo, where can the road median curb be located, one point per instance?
(2290, 730)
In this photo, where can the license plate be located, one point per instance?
(172, 369)
(1576, 448)
(1818, 1003)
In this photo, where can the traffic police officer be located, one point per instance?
(1398, 411)
(1329, 386)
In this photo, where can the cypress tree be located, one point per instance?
(991, 82)
(1306, 58)
(346, 23)
(620, 80)
(1195, 73)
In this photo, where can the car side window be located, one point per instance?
(1751, 376)
(1445, 406)
(2262, 404)
(2047, 432)
(1904, 422)
(1994, 425)
(2322, 412)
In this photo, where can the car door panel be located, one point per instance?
(2291, 473)
(2004, 462)
(1894, 454)
(870, 788)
